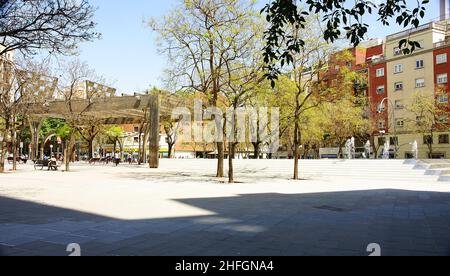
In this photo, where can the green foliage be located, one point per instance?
(2, 124)
(53, 125)
(340, 17)
(114, 132)
(429, 115)
(64, 131)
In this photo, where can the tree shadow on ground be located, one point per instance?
(335, 223)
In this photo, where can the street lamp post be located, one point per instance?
(380, 110)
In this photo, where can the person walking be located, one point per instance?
(367, 150)
(116, 159)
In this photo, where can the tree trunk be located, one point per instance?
(3, 153)
(14, 150)
(35, 129)
(121, 149)
(296, 150)
(170, 147)
(154, 134)
(91, 146)
(256, 150)
(430, 150)
(69, 151)
(431, 145)
(231, 151)
(220, 159)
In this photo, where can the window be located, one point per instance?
(380, 72)
(337, 68)
(393, 141)
(398, 86)
(381, 125)
(398, 68)
(381, 140)
(136, 139)
(381, 107)
(443, 98)
(420, 64)
(349, 65)
(399, 104)
(136, 129)
(442, 79)
(420, 83)
(380, 89)
(428, 140)
(397, 51)
(400, 123)
(442, 58)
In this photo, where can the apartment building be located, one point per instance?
(396, 78)
(6, 67)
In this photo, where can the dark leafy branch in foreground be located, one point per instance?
(55, 25)
(340, 17)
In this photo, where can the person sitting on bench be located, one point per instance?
(52, 165)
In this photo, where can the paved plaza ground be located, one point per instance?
(339, 208)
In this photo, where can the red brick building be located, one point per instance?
(442, 67)
(378, 90)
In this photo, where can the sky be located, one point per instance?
(127, 54)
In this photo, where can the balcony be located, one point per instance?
(406, 33)
(442, 43)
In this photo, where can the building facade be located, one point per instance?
(396, 79)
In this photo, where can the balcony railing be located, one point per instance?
(442, 43)
(424, 27)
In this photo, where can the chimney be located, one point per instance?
(445, 9)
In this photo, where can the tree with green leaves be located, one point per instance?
(341, 19)
(346, 115)
(50, 128)
(115, 134)
(430, 116)
(91, 128)
(307, 72)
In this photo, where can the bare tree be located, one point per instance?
(77, 100)
(198, 38)
(20, 88)
(55, 25)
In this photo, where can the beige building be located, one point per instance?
(6, 63)
(410, 75)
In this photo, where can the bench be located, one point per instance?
(51, 165)
(103, 160)
(93, 161)
(18, 160)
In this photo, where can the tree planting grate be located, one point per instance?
(331, 208)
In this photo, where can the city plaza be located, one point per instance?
(339, 208)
